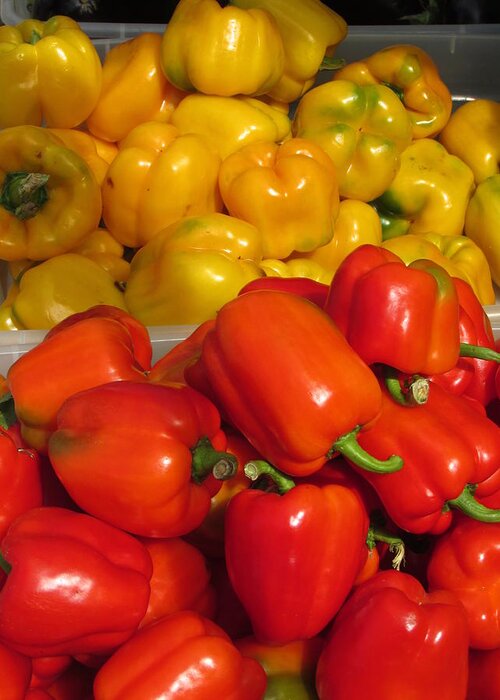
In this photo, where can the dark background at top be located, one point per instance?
(355, 12)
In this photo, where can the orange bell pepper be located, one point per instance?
(88, 147)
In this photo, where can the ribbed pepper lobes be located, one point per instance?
(466, 561)
(146, 470)
(101, 247)
(50, 73)
(104, 343)
(75, 584)
(298, 268)
(49, 197)
(153, 159)
(134, 88)
(429, 192)
(222, 50)
(472, 134)
(183, 654)
(283, 374)
(363, 128)
(316, 292)
(170, 367)
(288, 191)
(410, 72)
(407, 643)
(16, 673)
(89, 148)
(311, 31)
(482, 222)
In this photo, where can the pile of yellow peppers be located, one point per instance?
(235, 144)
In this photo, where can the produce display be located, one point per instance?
(300, 500)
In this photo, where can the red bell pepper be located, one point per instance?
(137, 455)
(391, 640)
(292, 556)
(15, 673)
(282, 373)
(84, 350)
(484, 675)
(313, 290)
(183, 656)
(230, 613)
(449, 450)
(75, 584)
(466, 561)
(45, 669)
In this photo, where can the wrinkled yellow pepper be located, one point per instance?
(222, 50)
(482, 222)
(50, 72)
(473, 134)
(363, 128)
(54, 289)
(229, 123)
(134, 89)
(189, 270)
(295, 267)
(49, 197)
(458, 255)
(101, 247)
(310, 31)
(89, 148)
(288, 191)
(413, 75)
(430, 192)
(158, 177)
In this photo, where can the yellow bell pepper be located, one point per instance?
(50, 72)
(88, 147)
(458, 255)
(288, 191)
(229, 123)
(295, 267)
(189, 270)
(413, 75)
(56, 288)
(363, 128)
(134, 89)
(158, 177)
(7, 321)
(107, 252)
(49, 197)
(310, 31)
(473, 134)
(356, 223)
(222, 50)
(482, 222)
(430, 192)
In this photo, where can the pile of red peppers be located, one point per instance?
(299, 501)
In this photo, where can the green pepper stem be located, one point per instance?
(206, 460)
(396, 544)
(479, 352)
(4, 565)
(258, 467)
(468, 505)
(415, 393)
(348, 446)
(331, 63)
(24, 194)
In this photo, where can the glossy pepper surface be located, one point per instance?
(482, 220)
(65, 565)
(410, 72)
(183, 654)
(484, 675)
(95, 153)
(154, 485)
(409, 644)
(465, 560)
(310, 33)
(50, 72)
(222, 50)
(288, 191)
(295, 268)
(363, 128)
(16, 673)
(49, 197)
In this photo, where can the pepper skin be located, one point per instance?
(316, 292)
(155, 158)
(134, 89)
(429, 192)
(88, 148)
(363, 129)
(16, 673)
(101, 247)
(50, 73)
(255, 334)
(410, 72)
(182, 655)
(465, 560)
(482, 222)
(222, 51)
(295, 268)
(145, 473)
(472, 134)
(409, 643)
(105, 343)
(484, 675)
(311, 33)
(70, 566)
(288, 191)
(49, 197)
